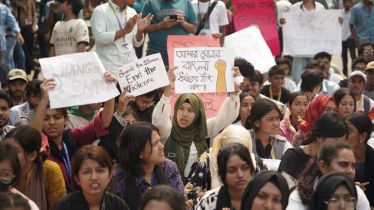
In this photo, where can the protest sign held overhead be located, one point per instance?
(143, 75)
(308, 33)
(189, 41)
(204, 70)
(261, 13)
(79, 80)
(252, 47)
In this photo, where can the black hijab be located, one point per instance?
(326, 187)
(258, 182)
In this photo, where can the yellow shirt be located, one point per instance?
(54, 184)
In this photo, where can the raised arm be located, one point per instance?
(161, 113)
(123, 100)
(38, 119)
(228, 111)
(108, 111)
(140, 26)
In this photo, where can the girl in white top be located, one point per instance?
(185, 134)
(334, 156)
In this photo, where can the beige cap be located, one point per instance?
(370, 66)
(17, 74)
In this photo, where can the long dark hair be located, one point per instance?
(7, 152)
(164, 193)
(130, 111)
(31, 141)
(259, 109)
(294, 95)
(241, 98)
(329, 124)
(229, 150)
(134, 139)
(362, 122)
(96, 153)
(327, 153)
(339, 94)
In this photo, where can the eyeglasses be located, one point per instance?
(147, 103)
(366, 51)
(6, 177)
(335, 203)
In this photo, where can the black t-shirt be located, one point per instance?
(76, 200)
(293, 162)
(284, 97)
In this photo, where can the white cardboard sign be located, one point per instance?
(79, 80)
(204, 70)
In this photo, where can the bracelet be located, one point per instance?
(159, 27)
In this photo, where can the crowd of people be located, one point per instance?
(297, 137)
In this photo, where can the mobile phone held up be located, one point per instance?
(173, 17)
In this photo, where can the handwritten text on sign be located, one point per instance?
(143, 75)
(308, 33)
(204, 70)
(252, 47)
(79, 80)
(186, 41)
(261, 13)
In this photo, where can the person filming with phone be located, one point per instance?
(171, 17)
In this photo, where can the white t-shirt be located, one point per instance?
(192, 157)
(335, 78)
(67, 35)
(217, 18)
(346, 32)
(282, 7)
(299, 7)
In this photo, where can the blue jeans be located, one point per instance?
(19, 57)
(298, 67)
(7, 63)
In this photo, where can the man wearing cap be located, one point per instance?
(356, 84)
(369, 88)
(33, 96)
(17, 80)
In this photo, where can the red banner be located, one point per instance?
(261, 13)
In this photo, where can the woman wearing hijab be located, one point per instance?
(316, 108)
(204, 176)
(235, 172)
(334, 156)
(327, 127)
(267, 190)
(334, 189)
(184, 136)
